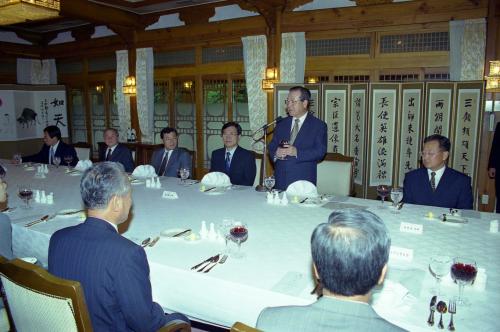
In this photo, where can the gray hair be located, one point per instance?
(101, 182)
(350, 251)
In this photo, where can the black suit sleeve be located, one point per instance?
(494, 161)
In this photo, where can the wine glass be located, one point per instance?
(269, 182)
(396, 197)
(439, 266)
(3, 172)
(17, 158)
(463, 272)
(26, 194)
(383, 191)
(239, 234)
(57, 161)
(68, 159)
(283, 144)
(224, 228)
(184, 174)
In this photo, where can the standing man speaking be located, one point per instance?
(299, 141)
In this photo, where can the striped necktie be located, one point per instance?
(228, 161)
(295, 131)
(108, 155)
(433, 181)
(51, 161)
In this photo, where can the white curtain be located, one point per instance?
(34, 71)
(122, 101)
(255, 62)
(467, 49)
(293, 57)
(144, 69)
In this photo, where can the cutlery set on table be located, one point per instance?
(442, 308)
(149, 242)
(210, 263)
(52, 216)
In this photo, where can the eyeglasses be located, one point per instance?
(291, 101)
(429, 153)
(229, 135)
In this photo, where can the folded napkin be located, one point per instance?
(389, 296)
(144, 171)
(302, 189)
(216, 179)
(83, 165)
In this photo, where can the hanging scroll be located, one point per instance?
(281, 94)
(468, 114)
(335, 101)
(358, 128)
(439, 104)
(383, 118)
(409, 143)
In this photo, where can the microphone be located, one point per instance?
(267, 125)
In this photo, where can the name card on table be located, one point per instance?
(170, 195)
(407, 227)
(400, 253)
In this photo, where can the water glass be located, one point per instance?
(68, 160)
(57, 161)
(396, 197)
(17, 159)
(269, 182)
(439, 266)
(184, 174)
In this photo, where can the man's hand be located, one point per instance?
(492, 172)
(288, 150)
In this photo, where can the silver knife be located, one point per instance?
(42, 219)
(209, 189)
(181, 233)
(64, 214)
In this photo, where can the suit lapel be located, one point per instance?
(424, 178)
(444, 181)
(233, 159)
(303, 128)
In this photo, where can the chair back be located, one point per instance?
(258, 164)
(82, 150)
(240, 327)
(39, 301)
(335, 175)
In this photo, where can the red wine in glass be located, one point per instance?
(26, 195)
(284, 143)
(239, 234)
(463, 272)
(68, 160)
(383, 191)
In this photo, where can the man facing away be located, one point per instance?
(299, 141)
(168, 160)
(112, 270)
(350, 255)
(436, 184)
(53, 147)
(116, 151)
(238, 163)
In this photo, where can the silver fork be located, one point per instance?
(452, 309)
(222, 261)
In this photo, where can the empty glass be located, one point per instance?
(396, 197)
(68, 160)
(57, 161)
(184, 174)
(17, 159)
(269, 182)
(439, 266)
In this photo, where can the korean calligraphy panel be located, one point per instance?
(410, 133)
(439, 105)
(281, 93)
(467, 120)
(357, 146)
(383, 103)
(335, 107)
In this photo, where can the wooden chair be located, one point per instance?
(4, 318)
(240, 327)
(83, 150)
(39, 301)
(335, 175)
(176, 326)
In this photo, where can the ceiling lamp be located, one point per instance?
(17, 11)
(493, 80)
(129, 87)
(271, 78)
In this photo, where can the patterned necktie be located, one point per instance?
(51, 161)
(295, 131)
(433, 181)
(163, 165)
(228, 161)
(108, 155)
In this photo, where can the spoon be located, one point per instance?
(145, 242)
(442, 309)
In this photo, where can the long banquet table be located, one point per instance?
(276, 269)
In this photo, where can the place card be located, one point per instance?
(400, 253)
(292, 283)
(407, 227)
(169, 195)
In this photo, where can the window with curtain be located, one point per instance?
(161, 109)
(215, 114)
(185, 113)
(98, 115)
(113, 108)
(240, 112)
(78, 125)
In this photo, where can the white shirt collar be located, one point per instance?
(301, 121)
(112, 148)
(438, 176)
(231, 151)
(54, 147)
(114, 226)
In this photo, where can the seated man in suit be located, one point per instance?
(236, 162)
(299, 141)
(53, 147)
(5, 226)
(115, 151)
(168, 160)
(437, 184)
(350, 255)
(112, 270)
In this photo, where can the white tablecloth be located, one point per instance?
(277, 267)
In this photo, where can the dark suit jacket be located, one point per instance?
(121, 154)
(494, 161)
(63, 149)
(326, 314)
(453, 191)
(114, 274)
(180, 158)
(311, 142)
(242, 170)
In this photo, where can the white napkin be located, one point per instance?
(390, 295)
(83, 165)
(302, 189)
(144, 171)
(216, 179)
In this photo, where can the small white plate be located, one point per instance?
(136, 181)
(31, 260)
(169, 233)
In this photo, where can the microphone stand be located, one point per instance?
(260, 187)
